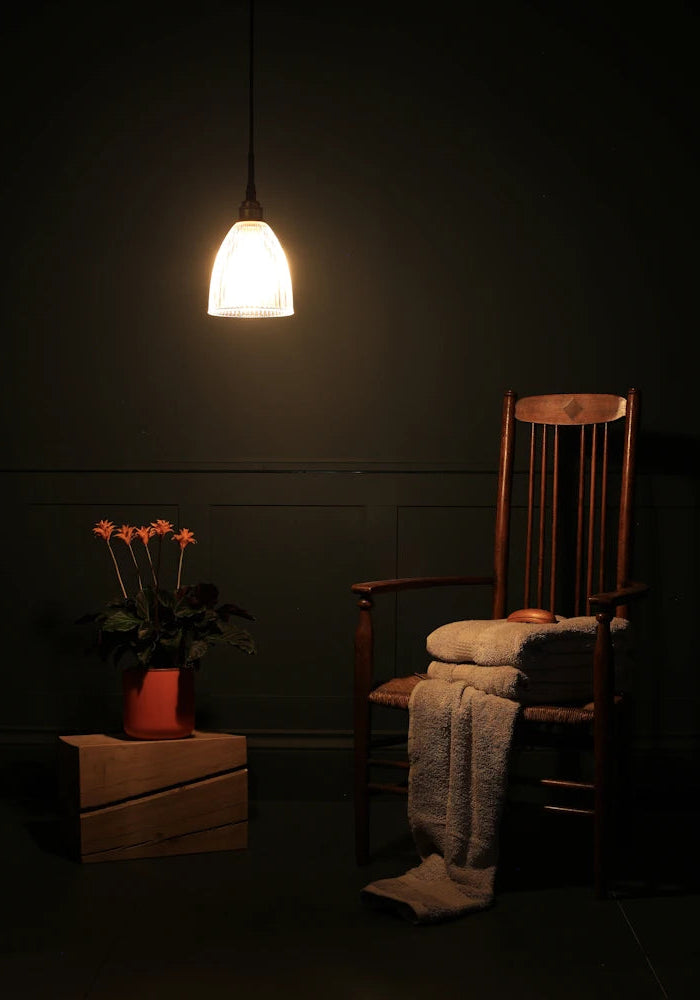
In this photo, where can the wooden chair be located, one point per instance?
(577, 520)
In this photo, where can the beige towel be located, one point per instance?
(504, 681)
(554, 662)
(458, 744)
(527, 646)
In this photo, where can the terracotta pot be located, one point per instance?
(158, 704)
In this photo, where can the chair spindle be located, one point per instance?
(555, 514)
(530, 506)
(543, 502)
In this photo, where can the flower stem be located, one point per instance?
(179, 568)
(138, 574)
(153, 572)
(116, 566)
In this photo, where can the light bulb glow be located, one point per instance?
(250, 278)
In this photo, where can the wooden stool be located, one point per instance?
(125, 798)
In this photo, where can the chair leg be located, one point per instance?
(362, 830)
(601, 861)
(603, 753)
(364, 655)
(361, 791)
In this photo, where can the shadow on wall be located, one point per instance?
(671, 454)
(667, 555)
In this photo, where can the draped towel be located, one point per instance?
(458, 744)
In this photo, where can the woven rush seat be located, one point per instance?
(567, 714)
(395, 693)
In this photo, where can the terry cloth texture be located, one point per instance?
(557, 659)
(458, 744)
(504, 681)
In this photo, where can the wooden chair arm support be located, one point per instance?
(613, 597)
(416, 583)
(364, 633)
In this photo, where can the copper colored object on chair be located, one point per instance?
(533, 615)
(577, 560)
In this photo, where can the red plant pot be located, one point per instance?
(158, 704)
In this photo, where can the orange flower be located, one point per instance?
(104, 529)
(145, 533)
(126, 534)
(161, 527)
(185, 538)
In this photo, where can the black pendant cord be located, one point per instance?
(250, 190)
(251, 208)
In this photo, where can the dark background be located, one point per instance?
(471, 198)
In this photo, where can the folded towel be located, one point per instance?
(504, 681)
(560, 685)
(527, 646)
(458, 744)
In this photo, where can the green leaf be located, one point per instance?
(197, 649)
(121, 621)
(236, 637)
(183, 610)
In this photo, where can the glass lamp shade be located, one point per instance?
(250, 278)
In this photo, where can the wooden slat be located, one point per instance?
(530, 507)
(543, 501)
(569, 809)
(626, 494)
(603, 511)
(387, 762)
(581, 786)
(203, 805)
(374, 786)
(104, 769)
(555, 522)
(566, 408)
(579, 521)
(231, 837)
(502, 525)
(371, 587)
(591, 515)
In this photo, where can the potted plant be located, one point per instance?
(159, 635)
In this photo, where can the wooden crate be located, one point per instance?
(125, 798)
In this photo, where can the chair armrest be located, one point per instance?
(418, 582)
(620, 596)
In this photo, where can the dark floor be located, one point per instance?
(284, 918)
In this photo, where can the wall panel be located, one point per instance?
(287, 542)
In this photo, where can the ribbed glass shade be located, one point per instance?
(250, 278)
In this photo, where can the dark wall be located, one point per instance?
(498, 196)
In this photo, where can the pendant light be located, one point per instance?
(250, 278)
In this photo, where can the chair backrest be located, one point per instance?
(575, 502)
